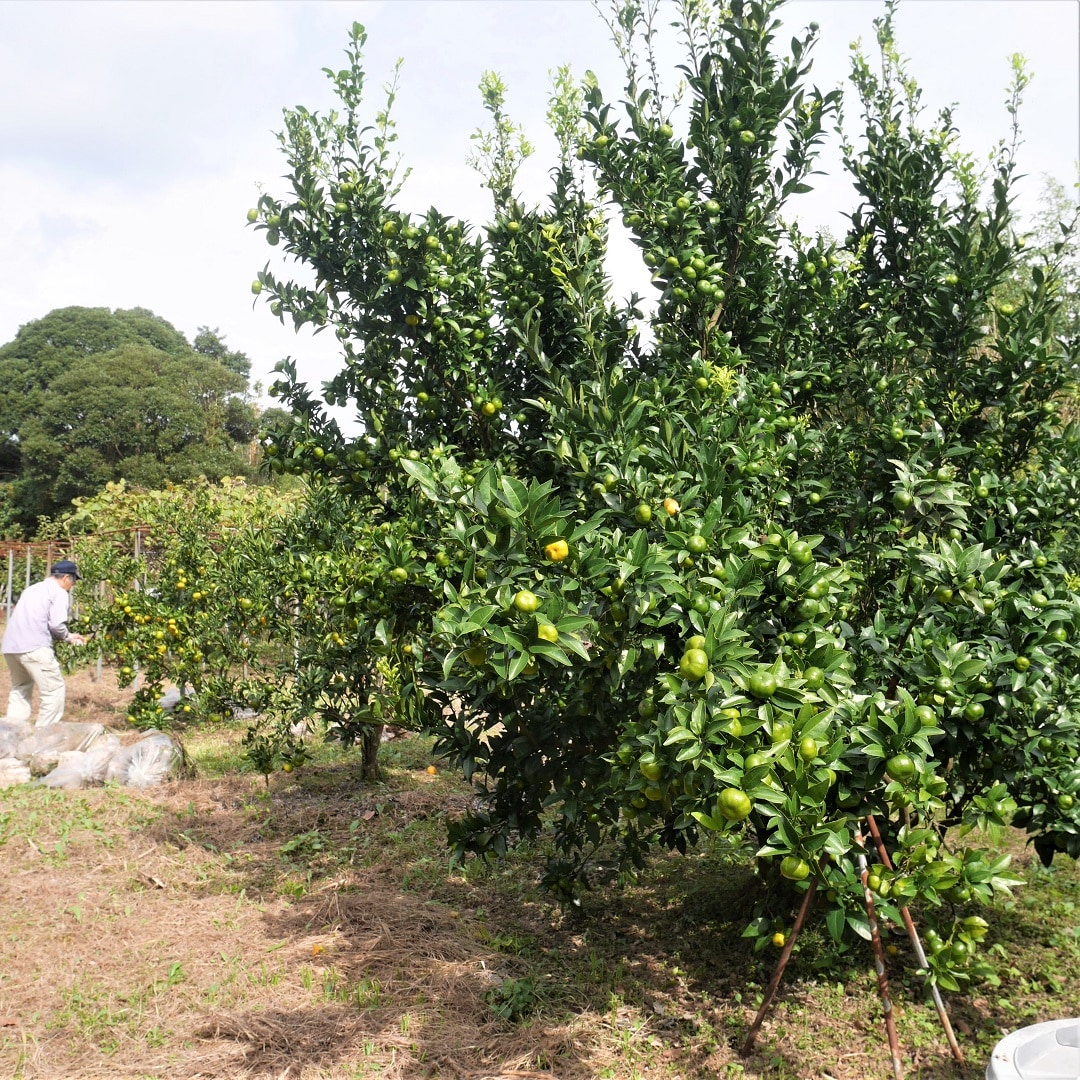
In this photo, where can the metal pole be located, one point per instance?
(916, 944)
(10, 579)
(778, 974)
(29, 561)
(879, 959)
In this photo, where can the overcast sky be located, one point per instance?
(134, 136)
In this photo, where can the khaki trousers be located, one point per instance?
(39, 668)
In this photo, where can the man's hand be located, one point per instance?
(76, 639)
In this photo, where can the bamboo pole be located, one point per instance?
(916, 944)
(100, 589)
(879, 959)
(778, 974)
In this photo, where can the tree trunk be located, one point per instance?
(370, 743)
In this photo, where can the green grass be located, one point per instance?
(658, 967)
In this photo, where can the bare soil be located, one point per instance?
(312, 927)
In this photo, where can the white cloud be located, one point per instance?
(134, 134)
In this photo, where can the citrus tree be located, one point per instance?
(783, 545)
(279, 607)
(165, 594)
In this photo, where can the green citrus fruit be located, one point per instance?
(697, 544)
(781, 731)
(526, 601)
(794, 868)
(901, 768)
(763, 684)
(801, 553)
(650, 768)
(694, 664)
(734, 804)
(926, 716)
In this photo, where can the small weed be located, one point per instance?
(513, 999)
(305, 847)
(368, 994)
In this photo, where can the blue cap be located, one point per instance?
(65, 567)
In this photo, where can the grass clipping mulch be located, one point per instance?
(311, 928)
(143, 937)
(132, 956)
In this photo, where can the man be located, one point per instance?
(39, 620)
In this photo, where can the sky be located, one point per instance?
(134, 135)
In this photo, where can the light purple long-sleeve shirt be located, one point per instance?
(39, 619)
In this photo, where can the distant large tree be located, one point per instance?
(89, 395)
(1054, 237)
(209, 343)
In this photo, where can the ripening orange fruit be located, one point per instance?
(557, 550)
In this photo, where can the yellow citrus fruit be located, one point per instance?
(557, 550)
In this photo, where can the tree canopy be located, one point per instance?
(787, 552)
(89, 396)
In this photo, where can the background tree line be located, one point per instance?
(89, 396)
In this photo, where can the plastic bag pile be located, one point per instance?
(69, 756)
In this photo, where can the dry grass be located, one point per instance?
(313, 928)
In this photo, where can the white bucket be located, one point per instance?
(1049, 1051)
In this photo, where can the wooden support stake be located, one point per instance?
(879, 961)
(778, 974)
(916, 944)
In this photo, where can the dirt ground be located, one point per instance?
(312, 928)
(152, 933)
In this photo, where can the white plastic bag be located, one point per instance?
(96, 763)
(79, 768)
(41, 749)
(146, 762)
(12, 732)
(13, 771)
(68, 774)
